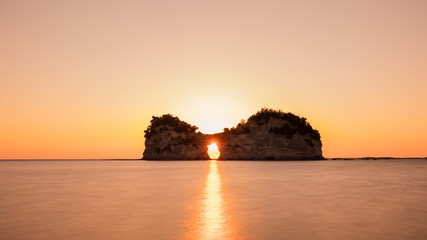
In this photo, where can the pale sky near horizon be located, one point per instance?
(81, 79)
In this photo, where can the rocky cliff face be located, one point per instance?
(267, 135)
(275, 139)
(168, 138)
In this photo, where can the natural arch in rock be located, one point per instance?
(213, 151)
(267, 135)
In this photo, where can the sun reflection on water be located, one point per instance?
(213, 223)
(212, 220)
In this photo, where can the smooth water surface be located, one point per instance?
(382, 199)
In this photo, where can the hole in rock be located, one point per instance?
(213, 151)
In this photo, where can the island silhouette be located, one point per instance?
(267, 135)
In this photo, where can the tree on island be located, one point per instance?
(295, 124)
(168, 120)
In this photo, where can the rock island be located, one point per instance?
(267, 135)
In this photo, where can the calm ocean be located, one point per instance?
(381, 199)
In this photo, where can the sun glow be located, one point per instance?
(212, 112)
(213, 151)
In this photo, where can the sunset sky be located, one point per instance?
(81, 79)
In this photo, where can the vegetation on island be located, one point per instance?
(159, 124)
(294, 125)
(241, 128)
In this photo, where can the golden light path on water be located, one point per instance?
(212, 220)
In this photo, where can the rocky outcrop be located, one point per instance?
(266, 135)
(271, 135)
(168, 138)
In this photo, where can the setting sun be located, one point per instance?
(212, 112)
(213, 151)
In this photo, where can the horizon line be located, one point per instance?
(140, 159)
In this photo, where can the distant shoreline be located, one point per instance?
(377, 158)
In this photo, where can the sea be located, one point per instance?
(96, 199)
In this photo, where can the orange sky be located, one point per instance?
(81, 79)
